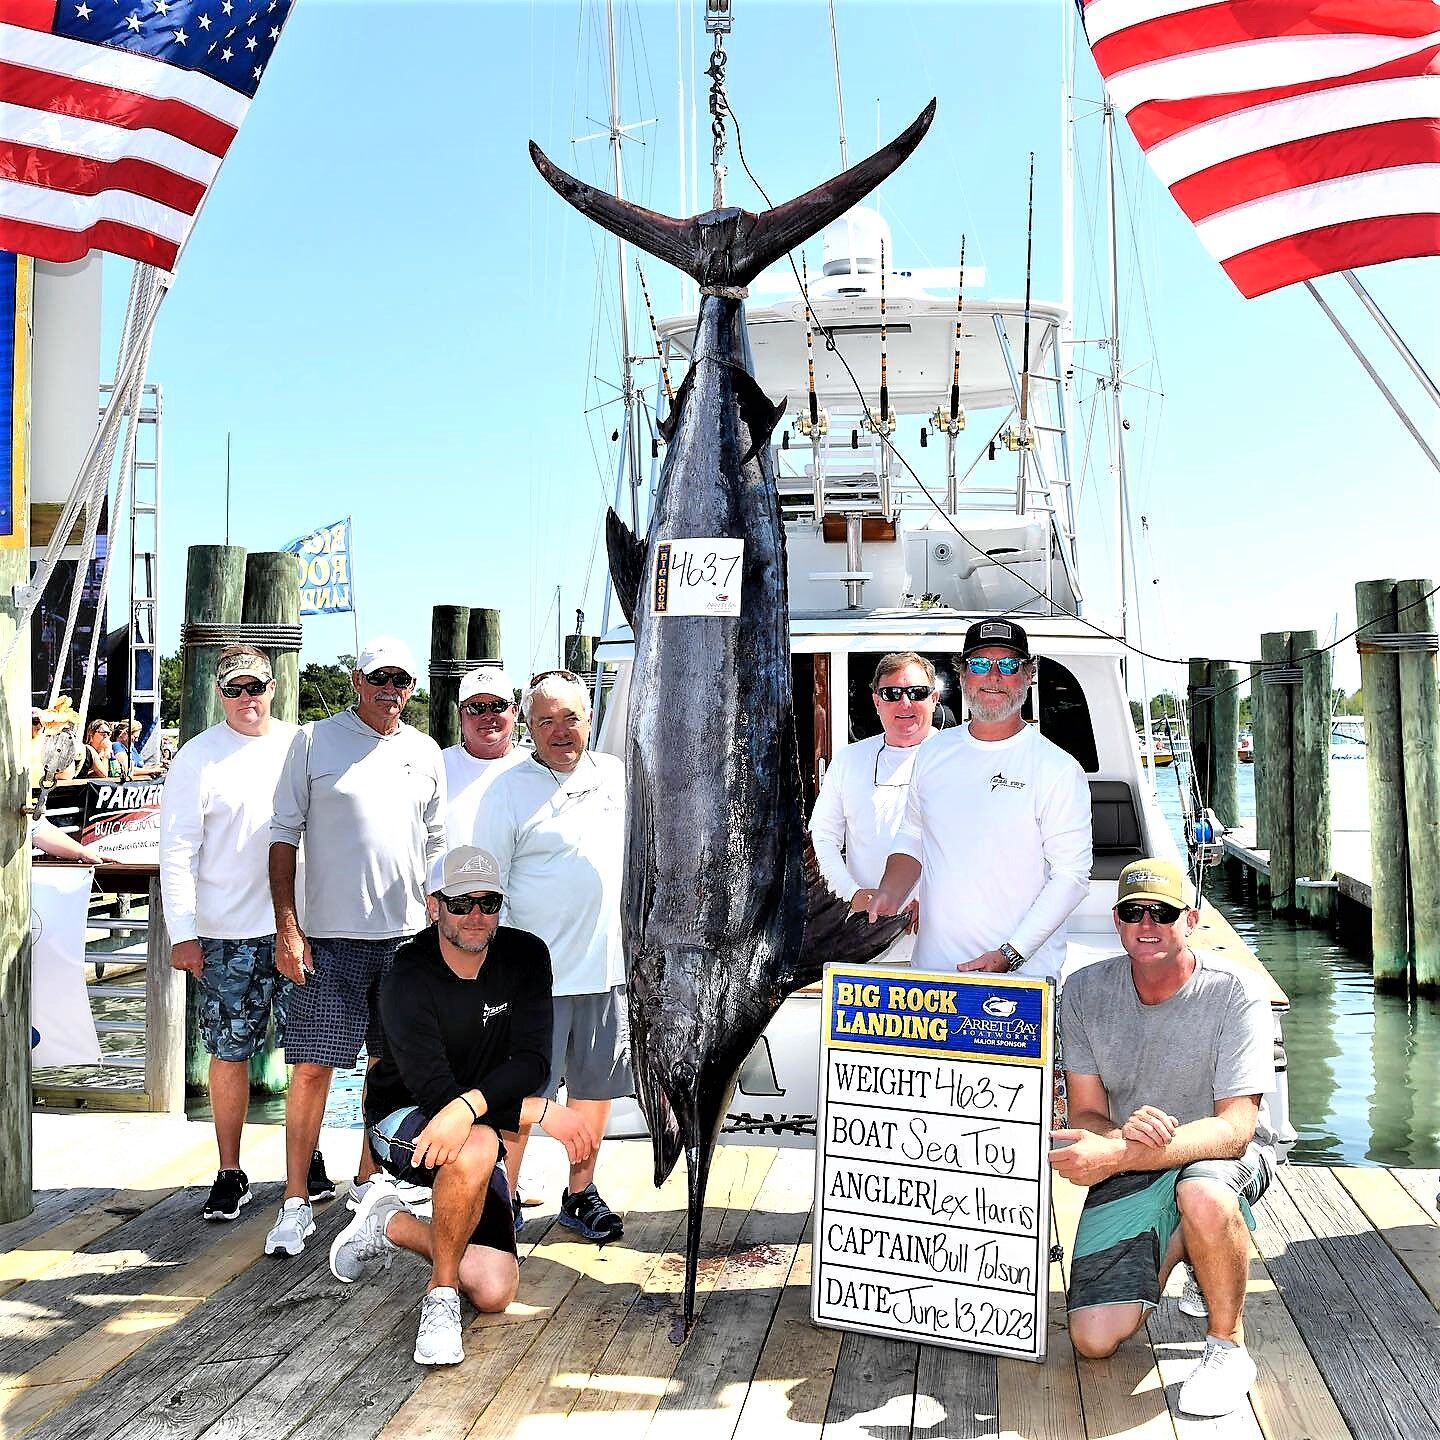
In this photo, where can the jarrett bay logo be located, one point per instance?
(998, 782)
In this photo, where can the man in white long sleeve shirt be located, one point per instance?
(996, 829)
(215, 811)
(367, 793)
(862, 798)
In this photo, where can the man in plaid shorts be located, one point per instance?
(367, 793)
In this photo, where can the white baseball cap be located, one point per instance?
(385, 651)
(486, 680)
(464, 870)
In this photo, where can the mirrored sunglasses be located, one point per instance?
(488, 903)
(1007, 665)
(244, 687)
(892, 693)
(1132, 912)
(397, 679)
(484, 707)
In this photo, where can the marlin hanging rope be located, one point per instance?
(719, 108)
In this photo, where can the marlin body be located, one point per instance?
(724, 911)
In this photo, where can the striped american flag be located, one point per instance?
(116, 114)
(1301, 137)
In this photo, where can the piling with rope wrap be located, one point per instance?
(1279, 767)
(1310, 707)
(482, 642)
(1224, 682)
(1200, 714)
(1420, 740)
(449, 659)
(1260, 756)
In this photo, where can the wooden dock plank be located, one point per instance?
(197, 1400)
(1424, 1186)
(724, 1348)
(1368, 1387)
(1178, 1341)
(1401, 1222)
(1403, 1316)
(957, 1395)
(873, 1397)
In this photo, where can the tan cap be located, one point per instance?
(240, 660)
(464, 870)
(1155, 879)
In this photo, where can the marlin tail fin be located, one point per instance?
(731, 247)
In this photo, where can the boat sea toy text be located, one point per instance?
(724, 913)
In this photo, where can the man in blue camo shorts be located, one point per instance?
(215, 813)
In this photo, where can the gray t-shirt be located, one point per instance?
(1211, 1040)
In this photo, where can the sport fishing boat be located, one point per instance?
(888, 553)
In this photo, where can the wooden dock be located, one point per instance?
(122, 1314)
(1350, 855)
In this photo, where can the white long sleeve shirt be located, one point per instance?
(1001, 829)
(371, 810)
(466, 781)
(215, 809)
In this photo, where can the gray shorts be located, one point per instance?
(335, 1012)
(590, 1047)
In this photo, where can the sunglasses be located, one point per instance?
(489, 903)
(569, 675)
(397, 679)
(484, 707)
(1132, 912)
(892, 693)
(1007, 665)
(244, 687)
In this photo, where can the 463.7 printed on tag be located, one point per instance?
(698, 577)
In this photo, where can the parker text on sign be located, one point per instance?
(932, 1187)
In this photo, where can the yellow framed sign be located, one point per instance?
(932, 1184)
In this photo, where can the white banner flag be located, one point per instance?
(62, 1030)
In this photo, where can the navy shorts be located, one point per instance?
(335, 1011)
(238, 991)
(393, 1142)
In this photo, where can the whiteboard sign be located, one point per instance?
(932, 1186)
(698, 577)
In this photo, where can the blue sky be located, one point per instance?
(395, 319)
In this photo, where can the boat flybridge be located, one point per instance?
(886, 556)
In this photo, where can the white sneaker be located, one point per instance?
(437, 1342)
(362, 1248)
(1192, 1297)
(294, 1225)
(1220, 1382)
(416, 1197)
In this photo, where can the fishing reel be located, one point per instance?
(944, 425)
(1205, 835)
(808, 428)
(1018, 437)
(880, 425)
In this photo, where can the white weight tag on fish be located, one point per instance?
(697, 577)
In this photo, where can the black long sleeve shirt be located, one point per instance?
(444, 1035)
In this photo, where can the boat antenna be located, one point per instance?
(1023, 437)
(839, 94)
(655, 335)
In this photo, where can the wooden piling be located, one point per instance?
(1199, 725)
(1279, 773)
(1225, 743)
(1385, 781)
(449, 641)
(1311, 743)
(16, 1136)
(214, 595)
(1420, 747)
(483, 642)
(164, 1015)
(272, 597)
(580, 654)
(1257, 731)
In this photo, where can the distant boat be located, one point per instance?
(1246, 749)
(1162, 752)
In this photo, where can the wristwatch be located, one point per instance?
(1013, 958)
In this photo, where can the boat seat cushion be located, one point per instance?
(1115, 828)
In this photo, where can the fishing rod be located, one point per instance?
(816, 424)
(952, 424)
(655, 335)
(1021, 439)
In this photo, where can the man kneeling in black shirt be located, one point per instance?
(466, 1015)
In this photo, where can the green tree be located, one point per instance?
(171, 671)
(326, 690)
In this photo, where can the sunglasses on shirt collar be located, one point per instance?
(488, 903)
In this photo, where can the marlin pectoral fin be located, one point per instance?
(730, 247)
(759, 413)
(832, 933)
(627, 562)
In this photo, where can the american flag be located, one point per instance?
(1301, 137)
(115, 115)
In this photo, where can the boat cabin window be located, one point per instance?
(1064, 713)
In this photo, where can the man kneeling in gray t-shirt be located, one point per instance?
(1179, 1044)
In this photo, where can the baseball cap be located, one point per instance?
(462, 870)
(238, 660)
(1154, 879)
(384, 651)
(486, 680)
(996, 632)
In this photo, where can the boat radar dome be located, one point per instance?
(852, 243)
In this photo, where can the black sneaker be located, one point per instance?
(230, 1191)
(587, 1213)
(319, 1184)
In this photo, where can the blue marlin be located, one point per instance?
(724, 910)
